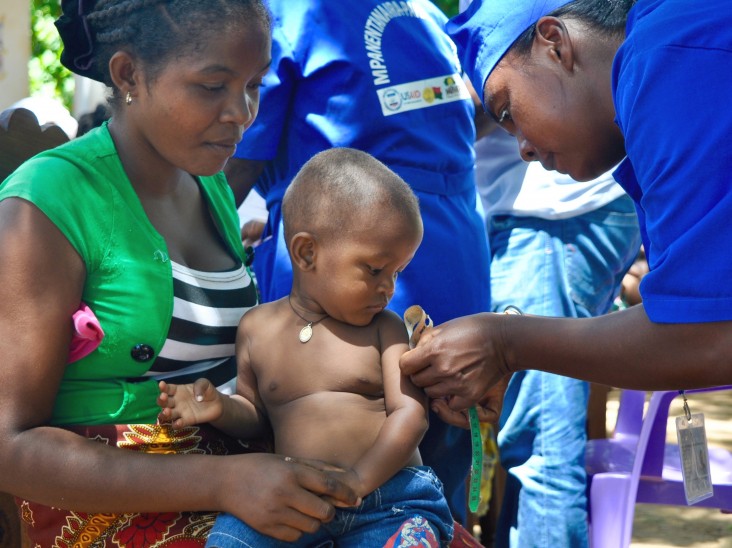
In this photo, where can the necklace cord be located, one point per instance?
(309, 322)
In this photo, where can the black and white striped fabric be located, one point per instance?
(207, 307)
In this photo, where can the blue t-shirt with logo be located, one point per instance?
(383, 77)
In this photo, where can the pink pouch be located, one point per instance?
(88, 334)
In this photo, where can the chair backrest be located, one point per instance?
(644, 467)
(21, 137)
(630, 413)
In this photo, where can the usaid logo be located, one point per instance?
(392, 99)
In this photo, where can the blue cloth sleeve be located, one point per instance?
(262, 139)
(673, 107)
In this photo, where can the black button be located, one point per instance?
(142, 352)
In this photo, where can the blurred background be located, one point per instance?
(30, 66)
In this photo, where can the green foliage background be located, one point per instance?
(450, 7)
(47, 77)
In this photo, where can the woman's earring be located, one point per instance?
(128, 99)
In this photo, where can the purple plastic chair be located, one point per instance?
(637, 465)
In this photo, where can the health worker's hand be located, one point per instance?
(460, 360)
(489, 407)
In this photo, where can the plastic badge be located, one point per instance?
(694, 452)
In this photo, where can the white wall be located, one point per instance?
(88, 94)
(15, 47)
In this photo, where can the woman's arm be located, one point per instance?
(464, 357)
(41, 281)
(242, 174)
(624, 349)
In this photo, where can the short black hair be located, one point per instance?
(337, 185)
(607, 17)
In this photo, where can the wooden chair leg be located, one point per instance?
(489, 521)
(597, 412)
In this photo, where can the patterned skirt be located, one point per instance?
(47, 527)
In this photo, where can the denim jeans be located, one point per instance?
(413, 491)
(571, 268)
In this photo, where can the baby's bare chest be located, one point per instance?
(291, 372)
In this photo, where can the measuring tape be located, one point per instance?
(476, 464)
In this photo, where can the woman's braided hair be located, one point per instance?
(154, 31)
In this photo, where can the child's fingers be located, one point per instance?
(165, 400)
(166, 388)
(202, 390)
(169, 415)
(339, 504)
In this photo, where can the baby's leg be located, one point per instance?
(408, 510)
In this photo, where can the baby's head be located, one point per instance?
(339, 189)
(351, 225)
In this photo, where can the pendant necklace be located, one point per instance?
(306, 333)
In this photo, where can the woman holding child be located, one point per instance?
(136, 223)
(135, 220)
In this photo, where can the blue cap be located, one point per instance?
(486, 30)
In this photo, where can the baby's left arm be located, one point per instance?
(406, 409)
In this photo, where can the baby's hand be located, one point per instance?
(350, 478)
(188, 404)
(347, 476)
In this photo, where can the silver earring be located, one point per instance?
(128, 99)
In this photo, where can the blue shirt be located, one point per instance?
(378, 76)
(672, 84)
(383, 77)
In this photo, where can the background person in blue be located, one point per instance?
(382, 77)
(578, 97)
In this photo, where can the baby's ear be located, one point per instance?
(303, 251)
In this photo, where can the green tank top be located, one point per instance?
(82, 188)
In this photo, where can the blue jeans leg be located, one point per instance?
(572, 268)
(414, 492)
